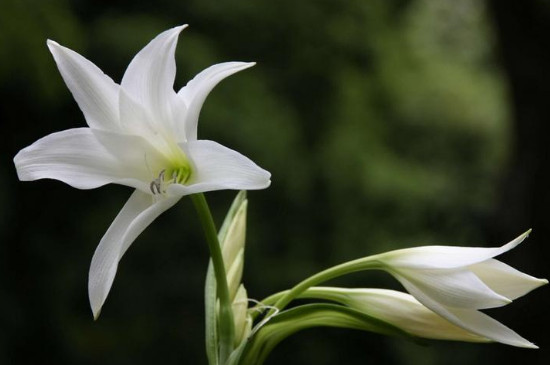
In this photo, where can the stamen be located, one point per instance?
(152, 187)
(179, 175)
(157, 183)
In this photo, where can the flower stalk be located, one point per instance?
(280, 302)
(226, 324)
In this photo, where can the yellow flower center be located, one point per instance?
(178, 171)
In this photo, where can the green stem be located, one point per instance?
(313, 292)
(282, 299)
(226, 324)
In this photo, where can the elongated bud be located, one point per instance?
(399, 309)
(243, 322)
(234, 274)
(232, 239)
(233, 248)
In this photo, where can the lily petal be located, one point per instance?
(149, 79)
(459, 289)
(506, 280)
(478, 323)
(218, 167)
(490, 328)
(76, 157)
(195, 92)
(136, 120)
(95, 92)
(135, 216)
(472, 320)
(446, 257)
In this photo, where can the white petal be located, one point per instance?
(76, 157)
(506, 280)
(135, 119)
(135, 216)
(486, 326)
(452, 288)
(473, 321)
(95, 92)
(178, 124)
(217, 167)
(404, 311)
(446, 257)
(195, 92)
(149, 79)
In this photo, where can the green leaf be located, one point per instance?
(210, 304)
(236, 355)
(302, 317)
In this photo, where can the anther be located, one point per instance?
(154, 185)
(157, 183)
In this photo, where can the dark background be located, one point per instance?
(385, 124)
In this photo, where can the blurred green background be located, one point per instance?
(385, 124)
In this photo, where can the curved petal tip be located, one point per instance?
(96, 312)
(515, 242)
(179, 28)
(175, 31)
(51, 43)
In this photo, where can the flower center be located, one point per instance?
(179, 175)
(179, 172)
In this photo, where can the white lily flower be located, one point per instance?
(455, 282)
(142, 134)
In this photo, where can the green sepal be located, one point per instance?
(306, 316)
(210, 298)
